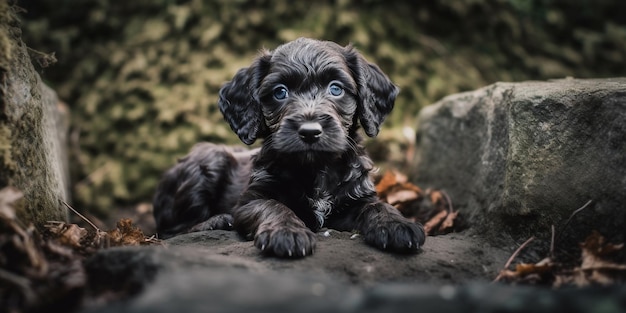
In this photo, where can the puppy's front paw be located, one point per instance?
(396, 235)
(220, 221)
(285, 241)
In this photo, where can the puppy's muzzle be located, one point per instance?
(310, 132)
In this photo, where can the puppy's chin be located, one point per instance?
(301, 152)
(311, 159)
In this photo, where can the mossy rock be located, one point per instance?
(33, 128)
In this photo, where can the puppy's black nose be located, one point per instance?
(310, 132)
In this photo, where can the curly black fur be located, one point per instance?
(306, 99)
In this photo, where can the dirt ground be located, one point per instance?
(217, 270)
(452, 258)
(448, 259)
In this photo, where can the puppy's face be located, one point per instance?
(307, 97)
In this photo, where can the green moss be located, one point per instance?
(6, 15)
(5, 149)
(7, 18)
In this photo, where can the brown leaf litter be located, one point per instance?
(45, 270)
(595, 267)
(432, 208)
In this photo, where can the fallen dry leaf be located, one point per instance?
(527, 273)
(432, 208)
(22, 241)
(541, 267)
(67, 234)
(442, 222)
(595, 268)
(448, 224)
(436, 197)
(402, 195)
(388, 180)
(394, 182)
(595, 247)
(126, 234)
(38, 269)
(435, 221)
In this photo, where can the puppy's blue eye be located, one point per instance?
(335, 89)
(281, 92)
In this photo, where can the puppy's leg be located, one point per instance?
(275, 228)
(382, 226)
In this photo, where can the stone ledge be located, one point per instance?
(520, 157)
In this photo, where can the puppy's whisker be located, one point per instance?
(353, 145)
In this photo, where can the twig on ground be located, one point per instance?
(572, 216)
(81, 216)
(513, 256)
(576, 212)
(153, 239)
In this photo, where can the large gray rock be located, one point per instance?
(32, 130)
(520, 157)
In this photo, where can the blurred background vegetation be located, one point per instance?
(141, 77)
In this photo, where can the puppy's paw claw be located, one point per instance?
(286, 242)
(396, 236)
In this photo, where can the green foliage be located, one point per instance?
(142, 76)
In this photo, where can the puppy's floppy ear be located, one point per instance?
(376, 92)
(239, 100)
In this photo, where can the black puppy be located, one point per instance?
(306, 99)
